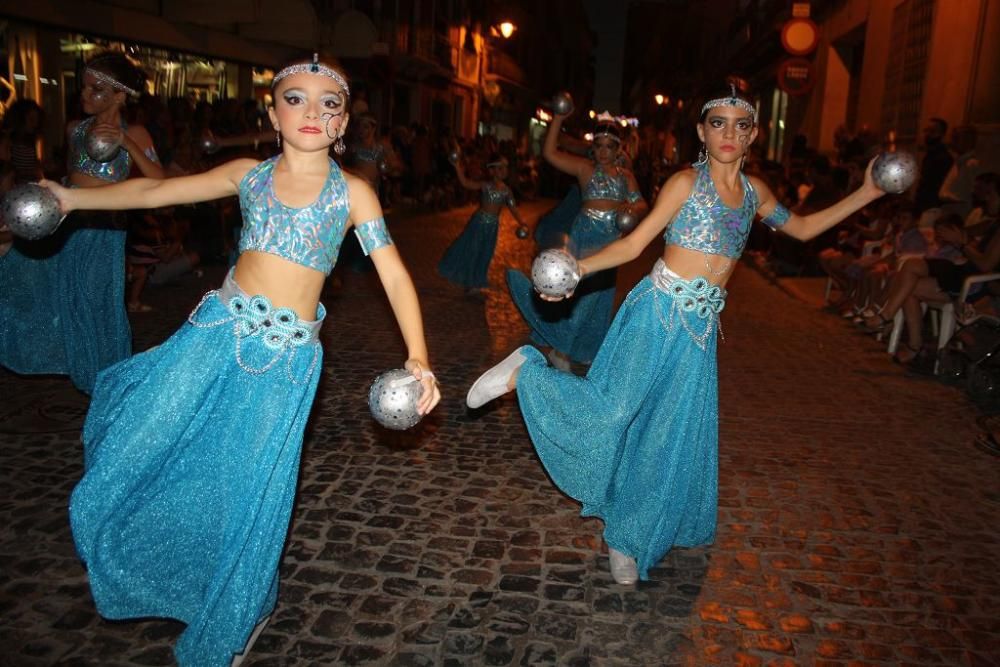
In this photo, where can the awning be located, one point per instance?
(105, 20)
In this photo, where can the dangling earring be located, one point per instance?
(277, 137)
(743, 161)
(702, 155)
(338, 146)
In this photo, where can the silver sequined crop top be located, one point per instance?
(704, 223)
(492, 195)
(115, 170)
(603, 185)
(310, 236)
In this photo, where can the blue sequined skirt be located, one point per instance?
(62, 302)
(466, 262)
(552, 228)
(191, 461)
(576, 326)
(636, 440)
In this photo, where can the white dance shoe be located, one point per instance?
(623, 568)
(257, 629)
(493, 383)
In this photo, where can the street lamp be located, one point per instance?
(506, 29)
(659, 99)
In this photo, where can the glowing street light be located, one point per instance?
(507, 29)
(658, 98)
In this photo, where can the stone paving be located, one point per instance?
(857, 523)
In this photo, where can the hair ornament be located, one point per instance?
(732, 101)
(497, 163)
(315, 67)
(111, 81)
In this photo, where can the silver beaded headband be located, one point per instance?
(608, 134)
(315, 67)
(731, 101)
(111, 81)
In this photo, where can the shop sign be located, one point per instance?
(796, 76)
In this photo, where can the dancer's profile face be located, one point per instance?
(98, 96)
(727, 132)
(310, 111)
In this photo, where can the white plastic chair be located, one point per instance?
(943, 314)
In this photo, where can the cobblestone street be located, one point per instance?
(858, 524)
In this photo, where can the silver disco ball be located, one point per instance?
(101, 149)
(562, 103)
(626, 220)
(393, 398)
(208, 143)
(895, 172)
(30, 211)
(522, 232)
(555, 273)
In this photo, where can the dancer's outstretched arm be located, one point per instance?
(138, 193)
(400, 290)
(805, 227)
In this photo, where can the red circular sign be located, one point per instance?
(796, 76)
(799, 36)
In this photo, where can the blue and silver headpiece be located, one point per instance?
(315, 67)
(731, 101)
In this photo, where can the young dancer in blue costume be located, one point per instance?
(192, 448)
(62, 306)
(635, 441)
(467, 260)
(574, 330)
(553, 227)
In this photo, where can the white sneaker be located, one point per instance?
(623, 568)
(257, 629)
(493, 383)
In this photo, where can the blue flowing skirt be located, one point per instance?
(62, 302)
(466, 262)
(576, 327)
(553, 227)
(636, 440)
(191, 461)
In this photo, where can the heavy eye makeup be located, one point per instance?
(719, 123)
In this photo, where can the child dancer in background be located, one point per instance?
(575, 330)
(63, 298)
(192, 448)
(467, 260)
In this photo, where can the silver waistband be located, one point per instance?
(602, 216)
(697, 294)
(230, 289)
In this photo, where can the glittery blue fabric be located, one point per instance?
(114, 170)
(62, 304)
(603, 185)
(575, 326)
(466, 262)
(636, 440)
(555, 225)
(704, 223)
(191, 455)
(374, 154)
(372, 235)
(779, 216)
(310, 236)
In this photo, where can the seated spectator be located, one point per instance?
(937, 280)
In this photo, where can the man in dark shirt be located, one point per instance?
(935, 167)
